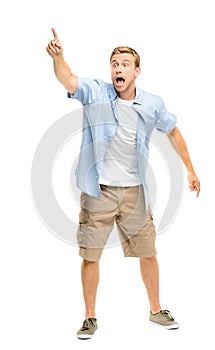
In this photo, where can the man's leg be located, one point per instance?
(150, 275)
(90, 280)
(96, 222)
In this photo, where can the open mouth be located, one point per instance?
(120, 80)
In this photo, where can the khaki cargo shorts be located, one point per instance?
(124, 207)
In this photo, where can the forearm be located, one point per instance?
(64, 74)
(180, 147)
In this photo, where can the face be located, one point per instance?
(123, 74)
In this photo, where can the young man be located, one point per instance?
(118, 120)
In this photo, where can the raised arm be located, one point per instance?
(180, 146)
(61, 68)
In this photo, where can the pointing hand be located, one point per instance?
(54, 48)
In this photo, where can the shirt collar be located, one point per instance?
(138, 98)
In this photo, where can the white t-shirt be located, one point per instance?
(120, 161)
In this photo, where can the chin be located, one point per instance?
(120, 88)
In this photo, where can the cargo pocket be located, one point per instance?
(152, 223)
(83, 216)
(151, 215)
(82, 228)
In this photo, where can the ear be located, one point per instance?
(137, 71)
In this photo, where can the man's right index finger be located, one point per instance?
(55, 33)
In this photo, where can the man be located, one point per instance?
(118, 120)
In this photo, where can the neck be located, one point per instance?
(128, 94)
(126, 97)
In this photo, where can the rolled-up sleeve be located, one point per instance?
(83, 92)
(165, 121)
(88, 90)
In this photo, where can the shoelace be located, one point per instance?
(167, 314)
(86, 324)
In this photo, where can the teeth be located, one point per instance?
(120, 79)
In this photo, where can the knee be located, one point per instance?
(148, 260)
(88, 262)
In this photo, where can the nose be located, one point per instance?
(119, 69)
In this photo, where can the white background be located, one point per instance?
(41, 297)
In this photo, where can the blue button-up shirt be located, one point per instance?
(100, 124)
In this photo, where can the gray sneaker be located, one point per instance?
(163, 319)
(88, 328)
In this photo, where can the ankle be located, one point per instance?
(155, 311)
(91, 315)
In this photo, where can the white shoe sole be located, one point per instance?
(173, 326)
(84, 336)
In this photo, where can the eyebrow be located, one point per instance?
(125, 60)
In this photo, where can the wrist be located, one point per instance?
(190, 170)
(58, 58)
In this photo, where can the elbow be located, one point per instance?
(72, 84)
(173, 132)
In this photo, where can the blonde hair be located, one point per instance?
(126, 49)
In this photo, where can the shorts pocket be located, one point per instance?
(83, 216)
(82, 236)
